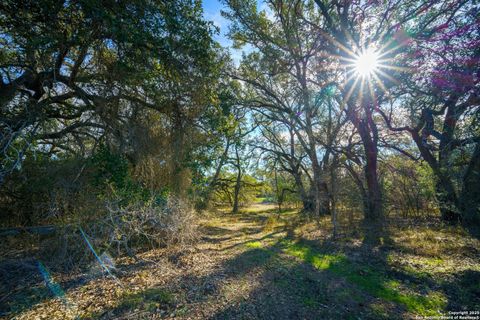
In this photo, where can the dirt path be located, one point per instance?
(236, 271)
(245, 266)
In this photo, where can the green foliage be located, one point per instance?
(95, 73)
(109, 169)
(279, 188)
(44, 188)
(113, 179)
(254, 244)
(409, 187)
(250, 188)
(48, 189)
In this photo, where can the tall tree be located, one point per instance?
(356, 29)
(441, 98)
(280, 75)
(77, 71)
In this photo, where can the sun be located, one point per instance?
(368, 68)
(367, 62)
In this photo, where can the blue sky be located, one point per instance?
(211, 12)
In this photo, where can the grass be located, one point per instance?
(310, 302)
(375, 282)
(259, 199)
(150, 299)
(254, 244)
(272, 223)
(266, 258)
(413, 277)
(380, 310)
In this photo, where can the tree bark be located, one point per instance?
(213, 183)
(445, 191)
(373, 215)
(178, 179)
(307, 202)
(333, 197)
(470, 196)
(238, 182)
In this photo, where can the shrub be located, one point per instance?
(150, 224)
(122, 230)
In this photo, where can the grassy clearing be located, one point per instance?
(427, 270)
(372, 281)
(260, 264)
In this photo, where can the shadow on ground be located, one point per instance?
(277, 275)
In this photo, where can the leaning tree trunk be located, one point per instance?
(236, 193)
(445, 191)
(213, 182)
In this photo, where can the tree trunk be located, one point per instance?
(333, 197)
(178, 178)
(445, 191)
(238, 182)
(448, 201)
(373, 219)
(470, 196)
(325, 208)
(236, 193)
(213, 183)
(277, 193)
(307, 202)
(361, 187)
(374, 200)
(374, 211)
(320, 190)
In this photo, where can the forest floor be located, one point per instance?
(260, 265)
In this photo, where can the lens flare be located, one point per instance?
(51, 284)
(104, 260)
(367, 62)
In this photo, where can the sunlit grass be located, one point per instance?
(254, 244)
(259, 199)
(375, 282)
(272, 223)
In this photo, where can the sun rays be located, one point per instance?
(368, 67)
(367, 62)
(368, 71)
